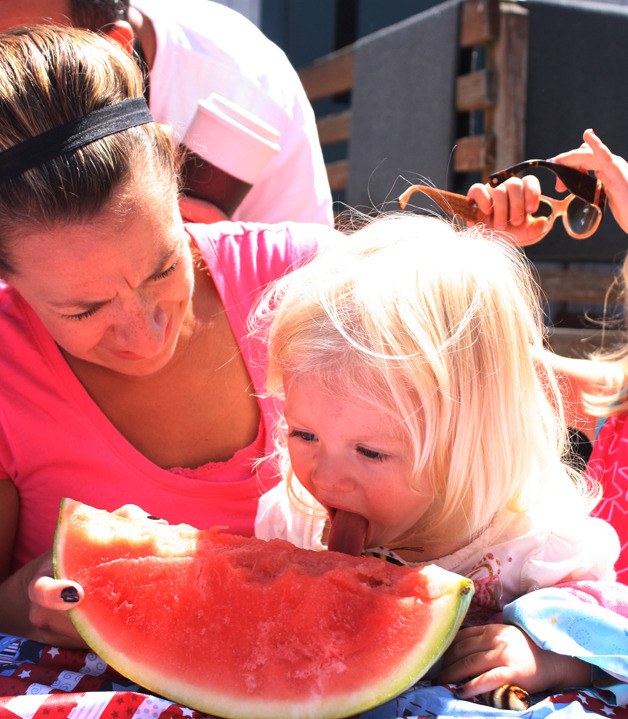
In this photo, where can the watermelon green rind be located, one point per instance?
(446, 609)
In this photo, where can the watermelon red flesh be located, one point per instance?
(243, 628)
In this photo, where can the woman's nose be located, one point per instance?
(142, 329)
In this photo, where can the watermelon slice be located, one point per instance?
(247, 629)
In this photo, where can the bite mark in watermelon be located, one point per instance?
(248, 629)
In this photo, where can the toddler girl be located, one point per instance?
(422, 425)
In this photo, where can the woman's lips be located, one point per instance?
(121, 354)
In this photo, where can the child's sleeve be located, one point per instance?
(293, 516)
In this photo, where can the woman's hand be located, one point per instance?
(509, 207)
(34, 605)
(593, 155)
(498, 654)
(50, 600)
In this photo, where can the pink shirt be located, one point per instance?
(55, 442)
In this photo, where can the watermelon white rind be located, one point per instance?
(246, 629)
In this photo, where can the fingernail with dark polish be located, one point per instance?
(459, 691)
(70, 595)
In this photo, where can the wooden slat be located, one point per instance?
(479, 22)
(334, 128)
(500, 92)
(338, 174)
(474, 154)
(579, 286)
(475, 91)
(329, 75)
(510, 58)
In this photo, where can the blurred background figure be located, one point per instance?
(190, 50)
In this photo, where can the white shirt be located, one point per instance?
(204, 47)
(518, 552)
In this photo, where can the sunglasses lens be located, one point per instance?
(582, 217)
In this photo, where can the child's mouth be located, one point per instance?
(348, 532)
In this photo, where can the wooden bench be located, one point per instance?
(490, 96)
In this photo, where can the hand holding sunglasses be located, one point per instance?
(581, 211)
(594, 156)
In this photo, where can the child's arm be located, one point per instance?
(498, 654)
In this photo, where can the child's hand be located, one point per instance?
(612, 170)
(508, 208)
(498, 654)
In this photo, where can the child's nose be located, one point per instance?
(330, 477)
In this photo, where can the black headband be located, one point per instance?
(73, 135)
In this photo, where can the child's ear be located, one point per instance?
(122, 32)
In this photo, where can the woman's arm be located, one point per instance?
(9, 509)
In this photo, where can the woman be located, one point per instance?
(126, 373)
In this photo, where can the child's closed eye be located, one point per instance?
(302, 434)
(371, 453)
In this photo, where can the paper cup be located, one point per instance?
(231, 138)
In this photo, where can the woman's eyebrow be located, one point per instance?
(88, 304)
(166, 258)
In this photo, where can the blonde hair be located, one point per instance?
(442, 330)
(49, 76)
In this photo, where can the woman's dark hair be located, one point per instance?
(52, 75)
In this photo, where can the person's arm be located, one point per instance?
(9, 509)
(583, 376)
(594, 156)
(32, 603)
(509, 206)
(498, 654)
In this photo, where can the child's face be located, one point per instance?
(352, 456)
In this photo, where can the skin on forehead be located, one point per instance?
(14, 13)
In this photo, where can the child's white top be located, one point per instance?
(517, 554)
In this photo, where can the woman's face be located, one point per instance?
(114, 291)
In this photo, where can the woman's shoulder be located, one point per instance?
(15, 320)
(265, 250)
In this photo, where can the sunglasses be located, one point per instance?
(581, 211)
